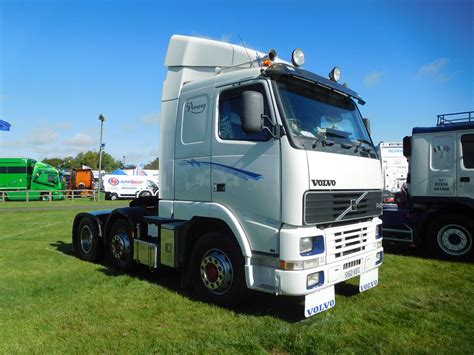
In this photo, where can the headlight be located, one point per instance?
(379, 257)
(306, 245)
(311, 245)
(297, 57)
(315, 279)
(378, 231)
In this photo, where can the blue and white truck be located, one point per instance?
(269, 181)
(436, 210)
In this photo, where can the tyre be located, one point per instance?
(44, 196)
(451, 237)
(120, 245)
(144, 194)
(88, 243)
(113, 196)
(217, 270)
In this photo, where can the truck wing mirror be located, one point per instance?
(407, 146)
(252, 111)
(367, 124)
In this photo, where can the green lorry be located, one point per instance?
(23, 179)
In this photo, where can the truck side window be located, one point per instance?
(230, 125)
(467, 142)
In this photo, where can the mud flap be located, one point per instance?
(319, 301)
(368, 280)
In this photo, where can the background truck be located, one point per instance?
(437, 208)
(23, 178)
(81, 181)
(394, 168)
(269, 181)
(128, 186)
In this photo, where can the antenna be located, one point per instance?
(243, 44)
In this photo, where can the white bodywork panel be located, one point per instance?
(394, 165)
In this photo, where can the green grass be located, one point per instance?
(52, 302)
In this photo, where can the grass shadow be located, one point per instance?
(259, 304)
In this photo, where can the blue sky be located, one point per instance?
(62, 63)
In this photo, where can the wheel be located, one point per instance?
(120, 245)
(217, 270)
(88, 243)
(451, 237)
(44, 196)
(144, 194)
(113, 196)
(81, 186)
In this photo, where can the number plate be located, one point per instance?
(351, 273)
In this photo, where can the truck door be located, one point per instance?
(245, 168)
(442, 173)
(465, 180)
(193, 148)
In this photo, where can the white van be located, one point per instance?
(128, 186)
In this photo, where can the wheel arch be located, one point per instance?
(433, 212)
(132, 215)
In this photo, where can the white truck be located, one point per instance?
(128, 186)
(437, 209)
(269, 181)
(394, 168)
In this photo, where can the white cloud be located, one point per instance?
(151, 119)
(435, 70)
(81, 140)
(373, 78)
(64, 125)
(42, 136)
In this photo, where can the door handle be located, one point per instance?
(465, 179)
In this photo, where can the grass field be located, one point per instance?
(52, 302)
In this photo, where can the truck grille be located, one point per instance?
(344, 243)
(336, 206)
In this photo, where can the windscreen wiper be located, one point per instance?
(366, 148)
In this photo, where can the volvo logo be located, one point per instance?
(323, 182)
(354, 204)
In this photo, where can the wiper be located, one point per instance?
(322, 136)
(367, 148)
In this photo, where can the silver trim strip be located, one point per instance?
(349, 209)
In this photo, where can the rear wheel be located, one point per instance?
(88, 243)
(113, 196)
(451, 237)
(120, 245)
(217, 270)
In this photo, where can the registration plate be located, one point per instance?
(351, 273)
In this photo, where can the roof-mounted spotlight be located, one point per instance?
(297, 57)
(335, 74)
(272, 54)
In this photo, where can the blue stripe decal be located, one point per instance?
(243, 174)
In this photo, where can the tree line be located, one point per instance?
(91, 159)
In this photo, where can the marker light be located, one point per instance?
(297, 57)
(267, 62)
(335, 74)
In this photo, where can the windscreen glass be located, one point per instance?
(320, 119)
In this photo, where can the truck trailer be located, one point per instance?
(24, 179)
(436, 210)
(394, 168)
(269, 181)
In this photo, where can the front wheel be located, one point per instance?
(451, 237)
(217, 270)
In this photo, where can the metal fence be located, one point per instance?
(46, 195)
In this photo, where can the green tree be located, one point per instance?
(53, 161)
(153, 165)
(91, 159)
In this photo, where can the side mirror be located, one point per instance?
(252, 111)
(407, 146)
(367, 124)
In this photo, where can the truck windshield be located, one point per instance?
(320, 119)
